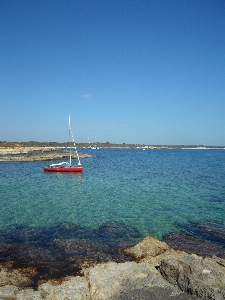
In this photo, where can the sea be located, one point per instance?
(154, 192)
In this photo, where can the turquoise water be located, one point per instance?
(153, 190)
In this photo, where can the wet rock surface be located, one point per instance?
(209, 231)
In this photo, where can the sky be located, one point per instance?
(129, 71)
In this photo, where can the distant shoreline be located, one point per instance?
(96, 145)
(31, 154)
(18, 153)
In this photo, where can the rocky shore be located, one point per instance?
(29, 154)
(156, 272)
(37, 264)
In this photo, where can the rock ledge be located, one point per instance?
(157, 272)
(29, 154)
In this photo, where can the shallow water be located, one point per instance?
(155, 191)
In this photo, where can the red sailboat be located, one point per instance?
(66, 166)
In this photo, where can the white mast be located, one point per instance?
(70, 140)
(71, 134)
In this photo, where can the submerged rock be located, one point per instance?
(116, 230)
(209, 231)
(58, 251)
(190, 244)
(202, 238)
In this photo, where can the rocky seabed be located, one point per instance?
(156, 271)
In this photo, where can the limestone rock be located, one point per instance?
(115, 281)
(203, 277)
(150, 246)
(8, 291)
(30, 294)
(76, 288)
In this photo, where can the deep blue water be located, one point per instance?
(154, 191)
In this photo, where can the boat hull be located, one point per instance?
(64, 169)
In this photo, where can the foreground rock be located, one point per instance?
(157, 272)
(27, 154)
(203, 277)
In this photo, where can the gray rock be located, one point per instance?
(156, 293)
(116, 281)
(8, 291)
(203, 277)
(30, 294)
(75, 288)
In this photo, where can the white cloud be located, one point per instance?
(86, 96)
